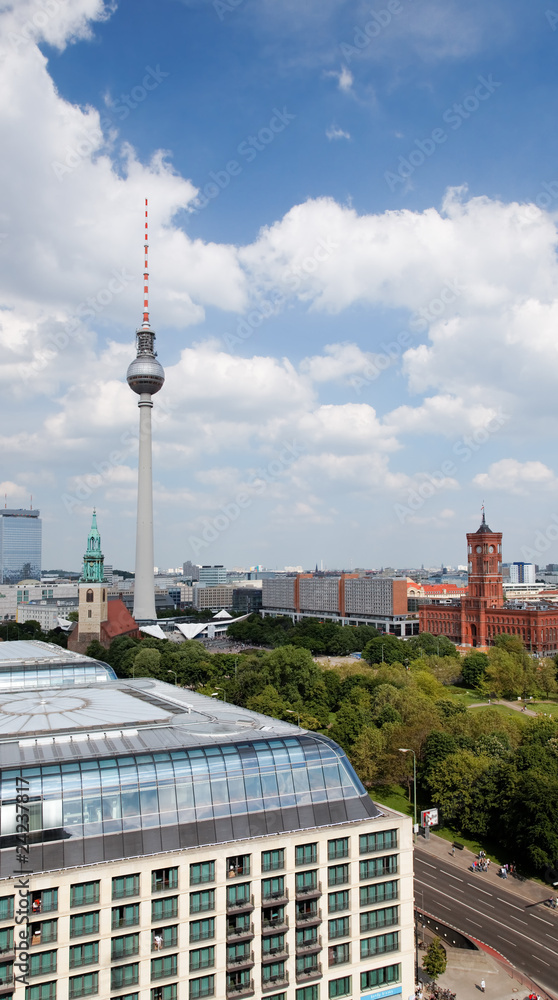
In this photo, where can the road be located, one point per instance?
(519, 926)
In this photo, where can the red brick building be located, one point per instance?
(476, 619)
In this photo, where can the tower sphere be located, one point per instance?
(145, 374)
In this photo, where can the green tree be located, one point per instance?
(427, 644)
(454, 783)
(435, 960)
(474, 668)
(385, 649)
(269, 702)
(366, 754)
(73, 616)
(545, 676)
(146, 662)
(96, 651)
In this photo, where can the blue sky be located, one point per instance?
(353, 275)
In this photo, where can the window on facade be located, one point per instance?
(306, 854)
(306, 881)
(202, 958)
(200, 901)
(337, 849)
(203, 987)
(84, 893)
(273, 972)
(237, 894)
(384, 840)
(340, 987)
(124, 946)
(242, 952)
(163, 879)
(273, 916)
(42, 991)
(202, 930)
(6, 940)
(239, 924)
(379, 867)
(164, 937)
(238, 864)
(306, 937)
(126, 885)
(273, 861)
(379, 945)
(380, 893)
(338, 875)
(42, 964)
(238, 981)
(6, 907)
(44, 932)
(273, 888)
(341, 927)
(309, 993)
(83, 986)
(273, 945)
(84, 923)
(124, 916)
(162, 968)
(163, 909)
(307, 965)
(124, 975)
(44, 901)
(380, 977)
(89, 596)
(372, 920)
(202, 872)
(84, 954)
(168, 992)
(338, 901)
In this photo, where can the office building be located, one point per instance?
(181, 848)
(190, 571)
(519, 572)
(212, 576)
(20, 545)
(212, 598)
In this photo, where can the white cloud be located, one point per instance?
(333, 132)
(344, 77)
(522, 478)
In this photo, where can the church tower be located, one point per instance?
(484, 557)
(92, 589)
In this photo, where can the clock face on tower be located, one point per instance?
(491, 548)
(479, 548)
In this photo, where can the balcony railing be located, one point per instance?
(309, 946)
(279, 897)
(242, 990)
(277, 954)
(275, 925)
(313, 917)
(244, 903)
(275, 983)
(308, 891)
(236, 933)
(314, 972)
(241, 961)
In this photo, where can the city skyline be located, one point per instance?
(353, 276)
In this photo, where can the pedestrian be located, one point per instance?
(453, 852)
(482, 985)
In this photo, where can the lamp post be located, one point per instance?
(215, 694)
(291, 712)
(408, 750)
(382, 645)
(175, 676)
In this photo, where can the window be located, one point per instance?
(380, 977)
(273, 972)
(238, 865)
(84, 954)
(340, 987)
(123, 916)
(163, 909)
(307, 937)
(203, 987)
(43, 902)
(338, 901)
(379, 867)
(338, 875)
(384, 840)
(83, 893)
(238, 982)
(307, 965)
(164, 879)
(237, 895)
(379, 945)
(124, 947)
(306, 854)
(126, 885)
(240, 924)
(202, 930)
(273, 861)
(242, 952)
(127, 996)
(274, 916)
(273, 888)
(42, 991)
(6, 940)
(84, 986)
(7, 908)
(202, 958)
(306, 881)
(164, 992)
(124, 975)
(309, 993)
(162, 968)
(372, 920)
(339, 928)
(164, 937)
(339, 954)
(89, 598)
(42, 964)
(84, 923)
(371, 894)
(44, 932)
(273, 945)
(337, 849)
(202, 872)
(200, 901)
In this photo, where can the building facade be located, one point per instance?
(212, 576)
(475, 620)
(212, 598)
(20, 545)
(182, 848)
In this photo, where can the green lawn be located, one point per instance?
(394, 797)
(550, 707)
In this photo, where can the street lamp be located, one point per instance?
(291, 712)
(175, 676)
(215, 694)
(382, 645)
(408, 750)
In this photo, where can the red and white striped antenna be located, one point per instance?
(145, 274)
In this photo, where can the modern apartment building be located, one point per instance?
(182, 848)
(212, 576)
(212, 598)
(20, 545)
(348, 598)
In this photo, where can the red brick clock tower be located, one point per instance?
(484, 548)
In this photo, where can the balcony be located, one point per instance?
(275, 984)
(276, 954)
(307, 919)
(278, 898)
(315, 972)
(245, 904)
(242, 990)
(309, 891)
(240, 933)
(7, 984)
(274, 925)
(241, 962)
(309, 946)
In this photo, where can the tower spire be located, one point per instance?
(146, 271)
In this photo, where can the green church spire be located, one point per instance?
(93, 560)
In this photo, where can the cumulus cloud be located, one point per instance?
(333, 132)
(522, 478)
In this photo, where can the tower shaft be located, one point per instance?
(144, 588)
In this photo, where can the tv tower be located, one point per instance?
(145, 376)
